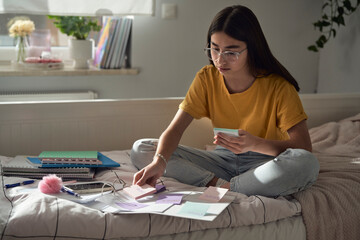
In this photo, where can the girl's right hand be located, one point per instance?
(150, 174)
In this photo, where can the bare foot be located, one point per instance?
(212, 182)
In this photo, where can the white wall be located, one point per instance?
(169, 52)
(339, 68)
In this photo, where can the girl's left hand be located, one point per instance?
(238, 144)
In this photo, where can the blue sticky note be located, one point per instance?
(194, 209)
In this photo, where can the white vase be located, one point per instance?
(81, 51)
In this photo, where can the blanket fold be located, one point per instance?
(330, 207)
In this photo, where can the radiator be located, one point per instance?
(46, 96)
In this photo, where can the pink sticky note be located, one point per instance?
(137, 191)
(213, 194)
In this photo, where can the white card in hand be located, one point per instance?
(232, 132)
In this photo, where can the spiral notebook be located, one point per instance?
(21, 166)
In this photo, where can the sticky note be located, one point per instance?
(160, 188)
(232, 132)
(194, 209)
(137, 191)
(213, 194)
(169, 199)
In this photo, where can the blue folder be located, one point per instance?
(106, 162)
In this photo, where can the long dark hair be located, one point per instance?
(240, 23)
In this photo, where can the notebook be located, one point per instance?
(64, 176)
(21, 166)
(105, 162)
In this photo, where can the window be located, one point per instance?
(58, 39)
(37, 11)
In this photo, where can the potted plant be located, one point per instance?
(77, 27)
(333, 12)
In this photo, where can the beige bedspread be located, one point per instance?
(331, 207)
(34, 215)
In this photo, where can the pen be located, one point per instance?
(19, 184)
(68, 190)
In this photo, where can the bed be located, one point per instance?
(327, 210)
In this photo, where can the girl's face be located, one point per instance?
(229, 55)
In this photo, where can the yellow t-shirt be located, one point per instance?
(267, 109)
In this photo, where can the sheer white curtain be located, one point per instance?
(78, 7)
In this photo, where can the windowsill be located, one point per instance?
(7, 69)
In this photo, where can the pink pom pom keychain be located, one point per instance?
(50, 184)
(53, 184)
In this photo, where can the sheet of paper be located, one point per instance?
(212, 212)
(194, 209)
(131, 206)
(170, 198)
(113, 203)
(213, 194)
(121, 203)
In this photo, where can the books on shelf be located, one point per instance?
(114, 43)
(103, 38)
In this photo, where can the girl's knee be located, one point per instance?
(145, 145)
(143, 151)
(303, 162)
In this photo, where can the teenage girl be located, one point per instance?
(244, 88)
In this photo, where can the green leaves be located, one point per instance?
(333, 12)
(78, 27)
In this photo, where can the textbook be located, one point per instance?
(21, 166)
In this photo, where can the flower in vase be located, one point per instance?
(20, 29)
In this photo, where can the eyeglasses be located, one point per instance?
(229, 56)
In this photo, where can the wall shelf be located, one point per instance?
(8, 70)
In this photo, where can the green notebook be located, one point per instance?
(69, 154)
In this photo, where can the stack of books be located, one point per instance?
(69, 157)
(113, 47)
(69, 165)
(21, 166)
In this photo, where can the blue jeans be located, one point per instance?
(249, 173)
